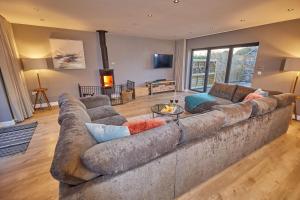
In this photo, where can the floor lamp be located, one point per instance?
(37, 64)
(293, 64)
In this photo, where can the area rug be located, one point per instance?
(15, 139)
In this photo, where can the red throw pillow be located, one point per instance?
(143, 125)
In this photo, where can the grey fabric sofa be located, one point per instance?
(164, 162)
(223, 94)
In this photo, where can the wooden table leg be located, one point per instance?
(46, 98)
(36, 99)
(295, 110)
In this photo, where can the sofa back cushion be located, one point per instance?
(263, 105)
(241, 92)
(126, 153)
(201, 125)
(223, 90)
(235, 113)
(74, 139)
(67, 98)
(284, 99)
(72, 110)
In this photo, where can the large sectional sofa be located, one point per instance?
(164, 162)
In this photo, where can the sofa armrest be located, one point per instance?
(95, 101)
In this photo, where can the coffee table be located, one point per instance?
(158, 110)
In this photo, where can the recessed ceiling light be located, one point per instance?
(176, 1)
(242, 20)
(149, 15)
(290, 9)
(42, 19)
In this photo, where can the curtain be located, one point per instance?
(12, 74)
(180, 51)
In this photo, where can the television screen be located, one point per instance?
(163, 61)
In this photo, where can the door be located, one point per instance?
(198, 70)
(217, 66)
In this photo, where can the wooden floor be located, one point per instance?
(272, 172)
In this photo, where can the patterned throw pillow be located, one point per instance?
(103, 133)
(139, 126)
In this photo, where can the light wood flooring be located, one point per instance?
(272, 172)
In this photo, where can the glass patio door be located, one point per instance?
(218, 60)
(198, 70)
(208, 66)
(242, 65)
(229, 64)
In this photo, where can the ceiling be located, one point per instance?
(186, 19)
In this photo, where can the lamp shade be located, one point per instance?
(34, 63)
(292, 64)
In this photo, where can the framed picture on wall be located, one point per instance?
(67, 54)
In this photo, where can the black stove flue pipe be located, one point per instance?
(103, 47)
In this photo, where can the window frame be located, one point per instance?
(229, 61)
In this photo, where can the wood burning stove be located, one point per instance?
(106, 75)
(107, 78)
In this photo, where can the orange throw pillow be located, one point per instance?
(143, 125)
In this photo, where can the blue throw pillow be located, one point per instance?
(103, 133)
(194, 100)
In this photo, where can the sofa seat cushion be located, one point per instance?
(101, 112)
(241, 92)
(117, 120)
(221, 101)
(284, 99)
(126, 153)
(74, 139)
(235, 113)
(223, 90)
(263, 105)
(201, 125)
(95, 101)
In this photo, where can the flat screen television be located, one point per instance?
(163, 61)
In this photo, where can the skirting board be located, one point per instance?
(7, 123)
(43, 105)
(297, 118)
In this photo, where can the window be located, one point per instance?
(229, 64)
(242, 65)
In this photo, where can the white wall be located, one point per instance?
(132, 58)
